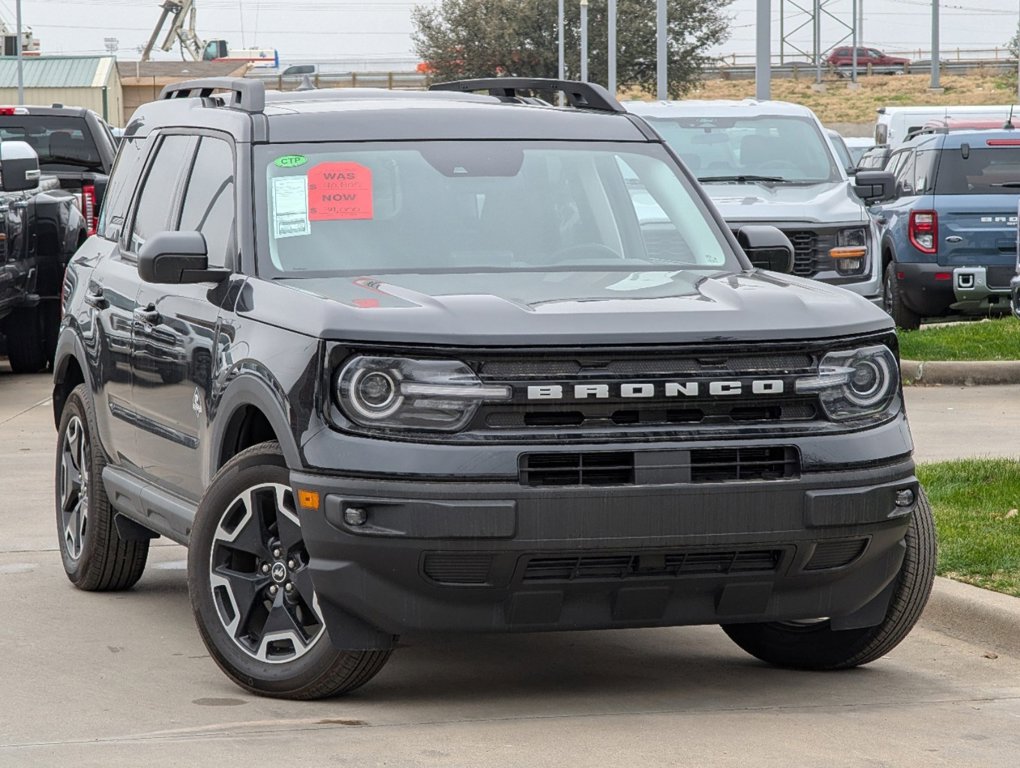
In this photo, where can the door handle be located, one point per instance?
(94, 297)
(149, 314)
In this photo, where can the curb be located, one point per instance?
(977, 616)
(967, 373)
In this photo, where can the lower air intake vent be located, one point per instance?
(577, 468)
(645, 565)
(458, 567)
(719, 465)
(835, 554)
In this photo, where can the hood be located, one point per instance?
(829, 202)
(561, 308)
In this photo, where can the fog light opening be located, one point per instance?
(355, 516)
(904, 497)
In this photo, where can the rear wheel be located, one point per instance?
(95, 557)
(816, 645)
(903, 316)
(251, 588)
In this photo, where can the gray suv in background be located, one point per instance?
(770, 162)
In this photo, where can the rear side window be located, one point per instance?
(62, 143)
(124, 179)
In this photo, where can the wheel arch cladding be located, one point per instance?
(67, 374)
(250, 413)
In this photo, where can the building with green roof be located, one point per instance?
(74, 81)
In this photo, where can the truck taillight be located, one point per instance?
(923, 231)
(88, 208)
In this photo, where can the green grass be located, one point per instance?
(984, 340)
(976, 504)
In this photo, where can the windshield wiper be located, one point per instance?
(744, 178)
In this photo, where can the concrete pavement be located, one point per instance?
(124, 680)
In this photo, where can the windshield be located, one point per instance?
(780, 149)
(60, 142)
(472, 206)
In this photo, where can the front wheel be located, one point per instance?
(251, 587)
(815, 645)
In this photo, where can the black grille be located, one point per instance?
(835, 554)
(810, 250)
(999, 277)
(703, 465)
(577, 468)
(719, 465)
(669, 365)
(597, 415)
(606, 567)
(457, 567)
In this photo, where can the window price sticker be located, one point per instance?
(290, 207)
(339, 191)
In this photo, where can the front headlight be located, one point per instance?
(850, 256)
(855, 383)
(403, 393)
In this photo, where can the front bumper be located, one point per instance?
(498, 556)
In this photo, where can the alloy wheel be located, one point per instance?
(74, 487)
(259, 577)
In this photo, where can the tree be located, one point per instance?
(487, 38)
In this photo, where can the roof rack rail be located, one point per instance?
(579, 95)
(248, 95)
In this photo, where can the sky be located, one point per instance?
(380, 29)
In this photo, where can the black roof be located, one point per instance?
(364, 114)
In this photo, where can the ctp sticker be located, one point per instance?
(339, 191)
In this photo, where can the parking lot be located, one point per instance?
(123, 679)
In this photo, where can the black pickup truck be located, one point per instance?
(44, 224)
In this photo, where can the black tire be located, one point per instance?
(26, 340)
(50, 312)
(892, 300)
(817, 646)
(95, 557)
(255, 550)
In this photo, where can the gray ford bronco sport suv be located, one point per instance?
(397, 363)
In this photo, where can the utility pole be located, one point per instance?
(17, 49)
(584, 41)
(611, 80)
(559, 32)
(661, 60)
(816, 21)
(763, 63)
(934, 85)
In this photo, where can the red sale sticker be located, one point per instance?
(339, 191)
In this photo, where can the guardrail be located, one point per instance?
(806, 69)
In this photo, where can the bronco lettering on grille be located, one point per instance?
(637, 390)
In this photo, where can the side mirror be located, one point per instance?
(19, 166)
(766, 247)
(177, 258)
(875, 186)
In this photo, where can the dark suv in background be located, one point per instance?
(393, 362)
(949, 240)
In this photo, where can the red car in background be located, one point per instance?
(842, 58)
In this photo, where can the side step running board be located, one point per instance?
(143, 503)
